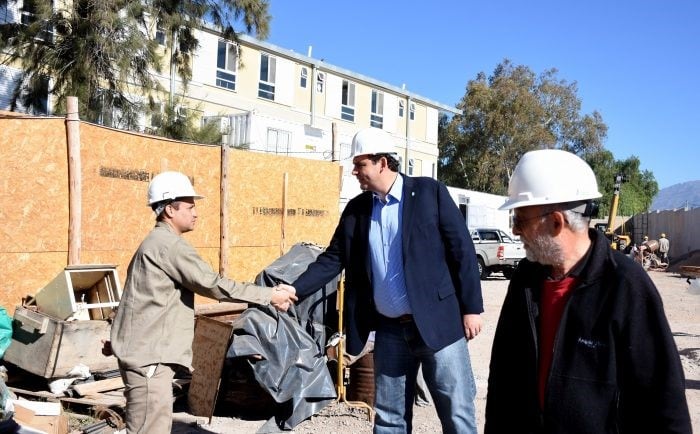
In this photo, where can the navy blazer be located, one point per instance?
(442, 278)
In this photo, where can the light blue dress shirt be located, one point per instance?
(388, 280)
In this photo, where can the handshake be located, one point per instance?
(283, 296)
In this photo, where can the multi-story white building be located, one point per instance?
(270, 99)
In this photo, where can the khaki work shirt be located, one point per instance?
(155, 318)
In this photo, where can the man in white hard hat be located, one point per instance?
(411, 275)
(582, 344)
(154, 326)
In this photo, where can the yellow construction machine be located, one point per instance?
(617, 241)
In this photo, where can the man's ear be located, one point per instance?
(558, 222)
(168, 210)
(384, 162)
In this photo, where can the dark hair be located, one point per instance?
(391, 162)
(175, 204)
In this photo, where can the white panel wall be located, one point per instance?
(334, 89)
(391, 112)
(285, 81)
(482, 208)
(431, 125)
(204, 62)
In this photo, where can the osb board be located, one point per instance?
(116, 168)
(23, 274)
(312, 200)
(33, 185)
(209, 347)
(34, 194)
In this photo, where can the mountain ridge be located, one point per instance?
(682, 195)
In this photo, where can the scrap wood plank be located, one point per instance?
(220, 309)
(48, 396)
(105, 399)
(209, 347)
(94, 387)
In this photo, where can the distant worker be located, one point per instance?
(412, 276)
(154, 325)
(644, 248)
(582, 344)
(634, 251)
(663, 248)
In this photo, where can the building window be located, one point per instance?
(28, 16)
(411, 166)
(377, 117)
(160, 34)
(320, 80)
(226, 65)
(28, 12)
(303, 77)
(402, 107)
(278, 141)
(268, 67)
(347, 109)
(412, 111)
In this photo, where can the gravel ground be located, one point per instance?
(681, 306)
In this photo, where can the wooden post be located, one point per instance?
(223, 211)
(335, 152)
(283, 242)
(74, 181)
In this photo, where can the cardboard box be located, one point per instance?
(41, 417)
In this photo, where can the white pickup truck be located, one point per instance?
(496, 251)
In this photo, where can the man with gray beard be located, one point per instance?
(582, 344)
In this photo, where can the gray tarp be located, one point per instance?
(293, 369)
(316, 313)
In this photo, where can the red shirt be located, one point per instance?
(555, 293)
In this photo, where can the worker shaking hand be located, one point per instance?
(283, 297)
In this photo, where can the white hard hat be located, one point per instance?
(550, 176)
(170, 186)
(370, 141)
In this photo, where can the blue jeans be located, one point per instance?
(398, 352)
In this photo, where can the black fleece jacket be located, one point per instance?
(615, 367)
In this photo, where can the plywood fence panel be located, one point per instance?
(34, 211)
(256, 195)
(116, 167)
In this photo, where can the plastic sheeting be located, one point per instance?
(5, 331)
(316, 313)
(293, 367)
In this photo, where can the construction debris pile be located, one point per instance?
(61, 375)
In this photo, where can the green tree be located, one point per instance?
(180, 18)
(507, 114)
(105, 52)
(637, 190)
(89, 49)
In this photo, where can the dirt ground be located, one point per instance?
(682, 310)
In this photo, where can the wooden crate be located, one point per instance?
(50, 348)
(83, 292)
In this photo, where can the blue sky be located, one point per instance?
(635, 62)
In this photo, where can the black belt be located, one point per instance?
(403, 319)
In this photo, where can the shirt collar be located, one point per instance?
(396, 190)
